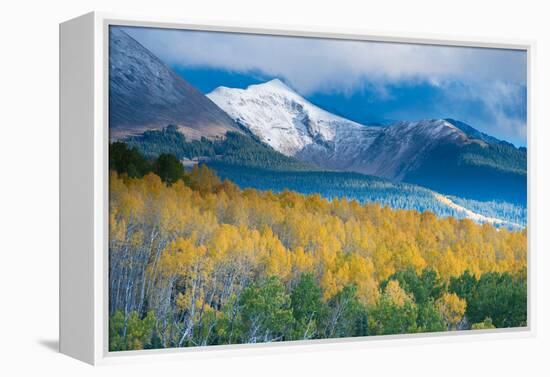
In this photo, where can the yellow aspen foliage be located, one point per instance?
(396, 294)
(329, 285)
(342, 275)
(203, 179)
(301, 261)
(219, 265)
(181, 256)
(452, 308)
(276, 258)
(216, 234)
(448, 264)
(117, 229)
(361, 274)
(383, 259)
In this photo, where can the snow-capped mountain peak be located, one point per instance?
(275, 84)
(279, 116)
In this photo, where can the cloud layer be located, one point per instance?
(495, 77)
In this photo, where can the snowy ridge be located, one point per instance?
(281, 117)
(295, 127)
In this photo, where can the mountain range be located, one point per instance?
(444, 154)
(271, 127)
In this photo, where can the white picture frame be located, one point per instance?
(84, 190)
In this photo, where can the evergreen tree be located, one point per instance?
(128, 161)
(265, 312)
(168, 168)
(307, 307)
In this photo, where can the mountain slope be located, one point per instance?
(369, 189)
(446, 155)
(144, 93)
(235, 149)
(403, 146)
(283, 119)
(292, 125)
(490, 172)
(473, 133)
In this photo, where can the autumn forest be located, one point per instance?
(198, 261)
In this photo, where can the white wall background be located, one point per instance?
(29, 184)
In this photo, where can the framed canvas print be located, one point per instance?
(227, 188)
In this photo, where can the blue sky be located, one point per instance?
(369, 82)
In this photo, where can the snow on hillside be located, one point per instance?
(479, 218)
(281, 117)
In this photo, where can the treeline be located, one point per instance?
(498, 155)
(235, 148)
(197, 261)
(132, 163)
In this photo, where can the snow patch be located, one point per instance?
(479, 218)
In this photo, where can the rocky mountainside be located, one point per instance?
(145, 94)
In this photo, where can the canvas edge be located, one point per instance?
(103, 356)
(76, 191)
